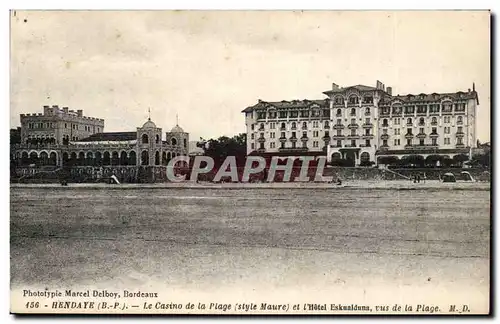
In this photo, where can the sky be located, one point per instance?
(207, 66)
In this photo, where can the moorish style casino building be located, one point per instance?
(361, 123)
(59, 137)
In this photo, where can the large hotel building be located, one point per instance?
(361, 123)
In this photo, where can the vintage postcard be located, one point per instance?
(250, 162)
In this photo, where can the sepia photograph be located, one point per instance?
(272, 162)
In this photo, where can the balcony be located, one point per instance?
(335, 146)
(304, 127)
(409, 136)
(338, 126)
(460, 134)
(293, 127)
(261, 150)
(421, 135)
(282, 128)
(326, 138)
(367, 113)
(326, 127)
(408, 147)
(350, 145)
(282, 139)
(385, 125)
(460, 145)
(433, 135)
(384, 148)
(352, 136)
(338, 137)
(384, 136)
(304, 138)
(434, 123)
(409, 124)
(261, 140)
(293, 139)
(338, 115)
(367, 136)
(293, 149)
(367, 125)
(352, 126)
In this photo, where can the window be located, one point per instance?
(421, 121)
(367, 131)
(459, 129)
(294, 135)
(460, 107)
(339, 143)
(315, 124)
(395, 142)
(339, 100)
(368, 99)
(327, 124)
(261, 146)
(353, 100)
(315, 134)
(261, 115)
(434, 130)
(408, 131)
(460, 120)
(434, 141)
(408, 141)
(315, 144)
(396, 131)
(294, 114)
(446, 141)
(272, 126)
(385, 123)
(384, 131)
(272, 135)
(294, 125)
(421, 142)
(447, 119)
(353, 112)
(261, 127)
(339, 132)
(447, 130)
(353, 143)
(446, 106)
(367, 110)
(409, 121)
(459, 141)
(304, 125)
(353, 132)
(409, 109)
(353, 121)
(145, 139)
(273, 114)
(367, 143)
(252, 127)
(304, 134)
(252, 136)
(283, 126)
(282, 134)
(283, 114)
(397, 121)
(367, 121)
(261, 135)
(384, 143)
(421, 130)
(339, 112)
(327, 134)
(434, 121)
(272, 145)
(304, 113)
(282, 145)
(339, 121)
(252, 146)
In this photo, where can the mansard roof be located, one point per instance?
(284, 104)
(110, 136)
(359, 87)
(432, 97)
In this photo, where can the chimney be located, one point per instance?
(335, 86)
(65, 109)
(389, 91)
(80, 112)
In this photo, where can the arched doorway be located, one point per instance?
(145, 139)
(365, 157)
(164, 158)
(53, 158)
(350, 158)
(157, 158)
(33, 158)
(144, 158)
(65, 158)
(44, 158)
(114, 158)
(106, 160)
(90, 159)
(132, 158)
(98, 158)
(123, 158)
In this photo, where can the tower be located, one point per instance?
(149, 144)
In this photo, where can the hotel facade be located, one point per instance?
(362, 123)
